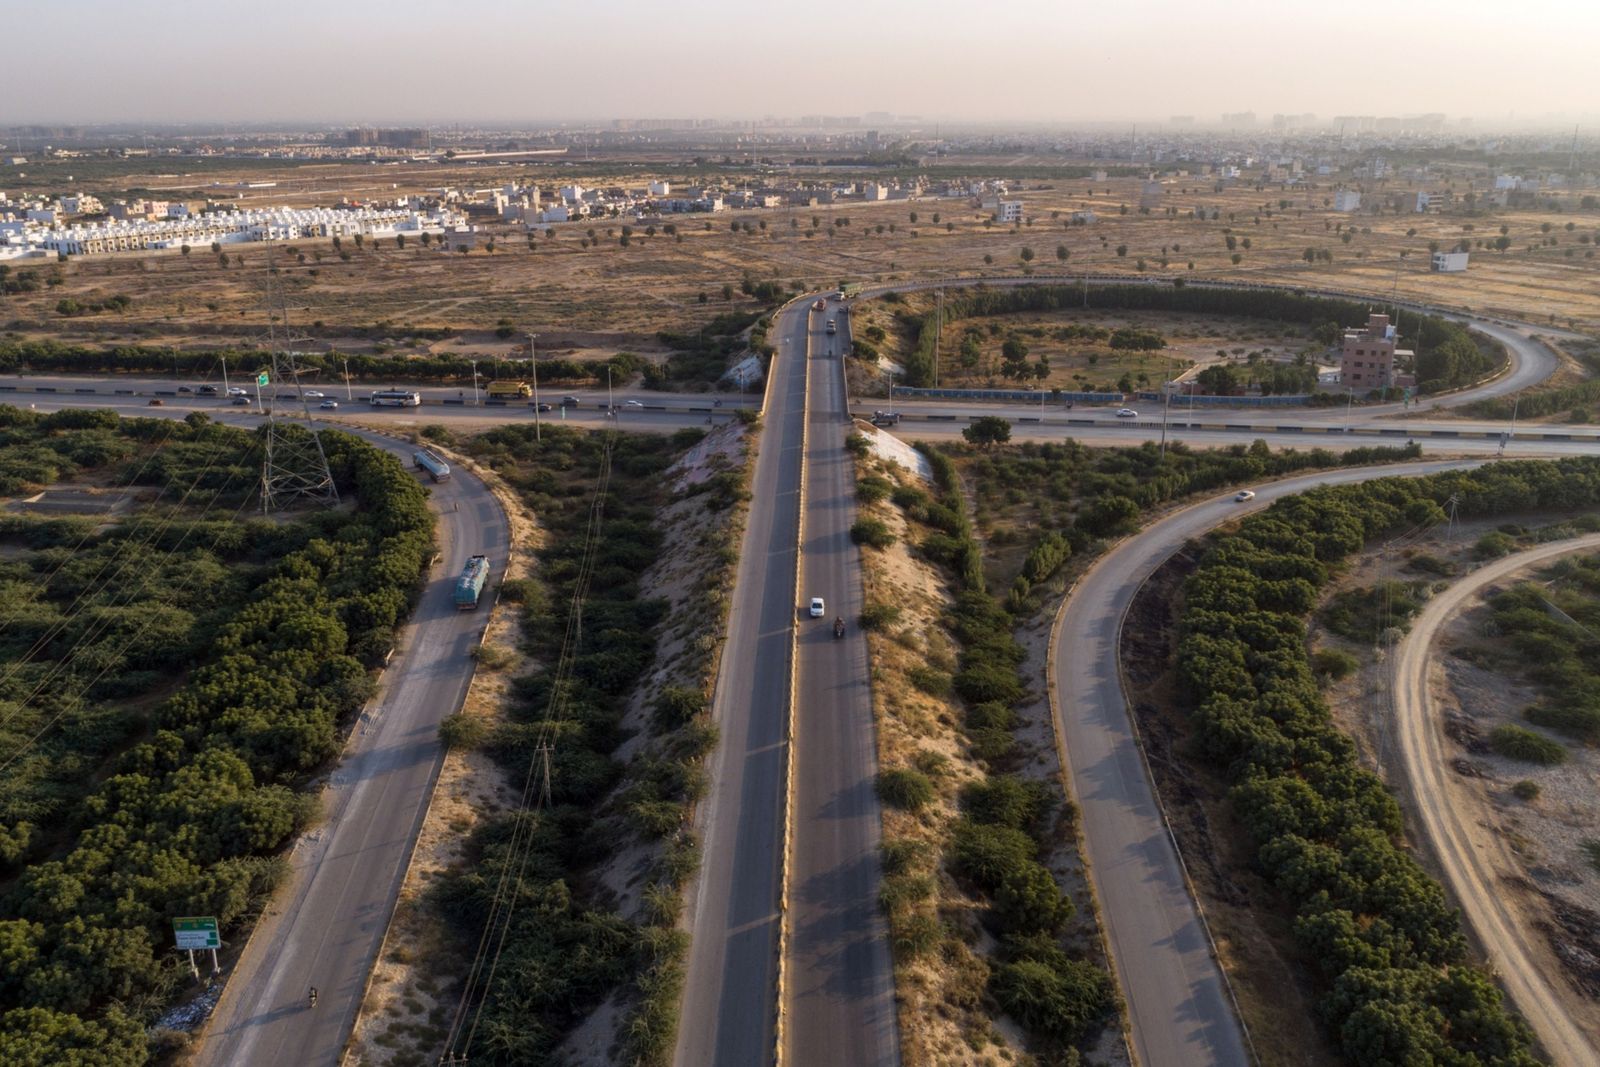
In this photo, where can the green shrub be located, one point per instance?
(876, 615)
(1005, 800)
(906, 789)
(858, 445)
(677, 705)
(1066, 1003)
(903, 855)
(1581, 722)
(1514, 742)
(873, 488)
(935, 683)
(871, 532)
(914, 934)
(1526, 790)
(1493, 545)
(1333, 663)
(462, 731)
(1364, 614)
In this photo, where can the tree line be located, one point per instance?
(1385, 945)
(321, 367)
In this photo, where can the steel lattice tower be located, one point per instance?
(294, 467)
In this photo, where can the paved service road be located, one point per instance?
(729, 1012)
(325, 926)
(1178, 1005)
(839, 982)
(1476, 860)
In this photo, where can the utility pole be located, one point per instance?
(348, 396)
(224, 375)
(1166, 407)
(938, 336)
(1349, 406)
(474, 383)
(533, 361)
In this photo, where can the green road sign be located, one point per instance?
(193, 933)
(261, 379)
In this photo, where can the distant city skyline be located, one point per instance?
(402, 62)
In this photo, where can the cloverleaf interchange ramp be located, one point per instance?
(1472, 867)
(737, 1015)
(1180, 1009)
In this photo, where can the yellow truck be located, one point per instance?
(510, 389)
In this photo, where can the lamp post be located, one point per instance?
(224, 375)
(474, 383)
(1349, 406)
(533, 361)
(348, 396)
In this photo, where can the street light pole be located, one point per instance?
(348, 396)
(474, 383)
(1165, 408)
(1349, 405)
(224, 375)
(533, 361)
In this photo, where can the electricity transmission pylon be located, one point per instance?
(294, 468)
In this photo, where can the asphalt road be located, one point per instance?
(839, 981)
(730, 1003)
(1476, 859)
(324, 928)
(1178, 1005)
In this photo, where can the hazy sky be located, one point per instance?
(1018, 60)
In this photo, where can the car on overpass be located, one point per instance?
(1127, 413)
(818, 608)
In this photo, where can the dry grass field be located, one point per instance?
(577, 284)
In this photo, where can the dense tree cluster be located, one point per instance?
(188, 820)
(1447, 355)
(1386, 942)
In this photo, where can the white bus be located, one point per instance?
(395, 398)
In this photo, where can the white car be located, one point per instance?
(312, 394)
(818, 609)
(234, 390)
(634, 404)
(1127, 413)
(1244, 494)
(329, 405)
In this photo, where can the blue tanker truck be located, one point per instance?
(437, 468)
(469, 587)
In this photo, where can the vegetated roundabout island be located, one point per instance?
(1118, 339)
(1297, 848)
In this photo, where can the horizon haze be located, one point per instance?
(1035, 62)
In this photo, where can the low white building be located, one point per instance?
(1008, 211)
(1449, 262)
(660, 188)
(1346, 199)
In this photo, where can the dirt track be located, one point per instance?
(1475, 862)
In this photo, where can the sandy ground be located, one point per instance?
(656, 282)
